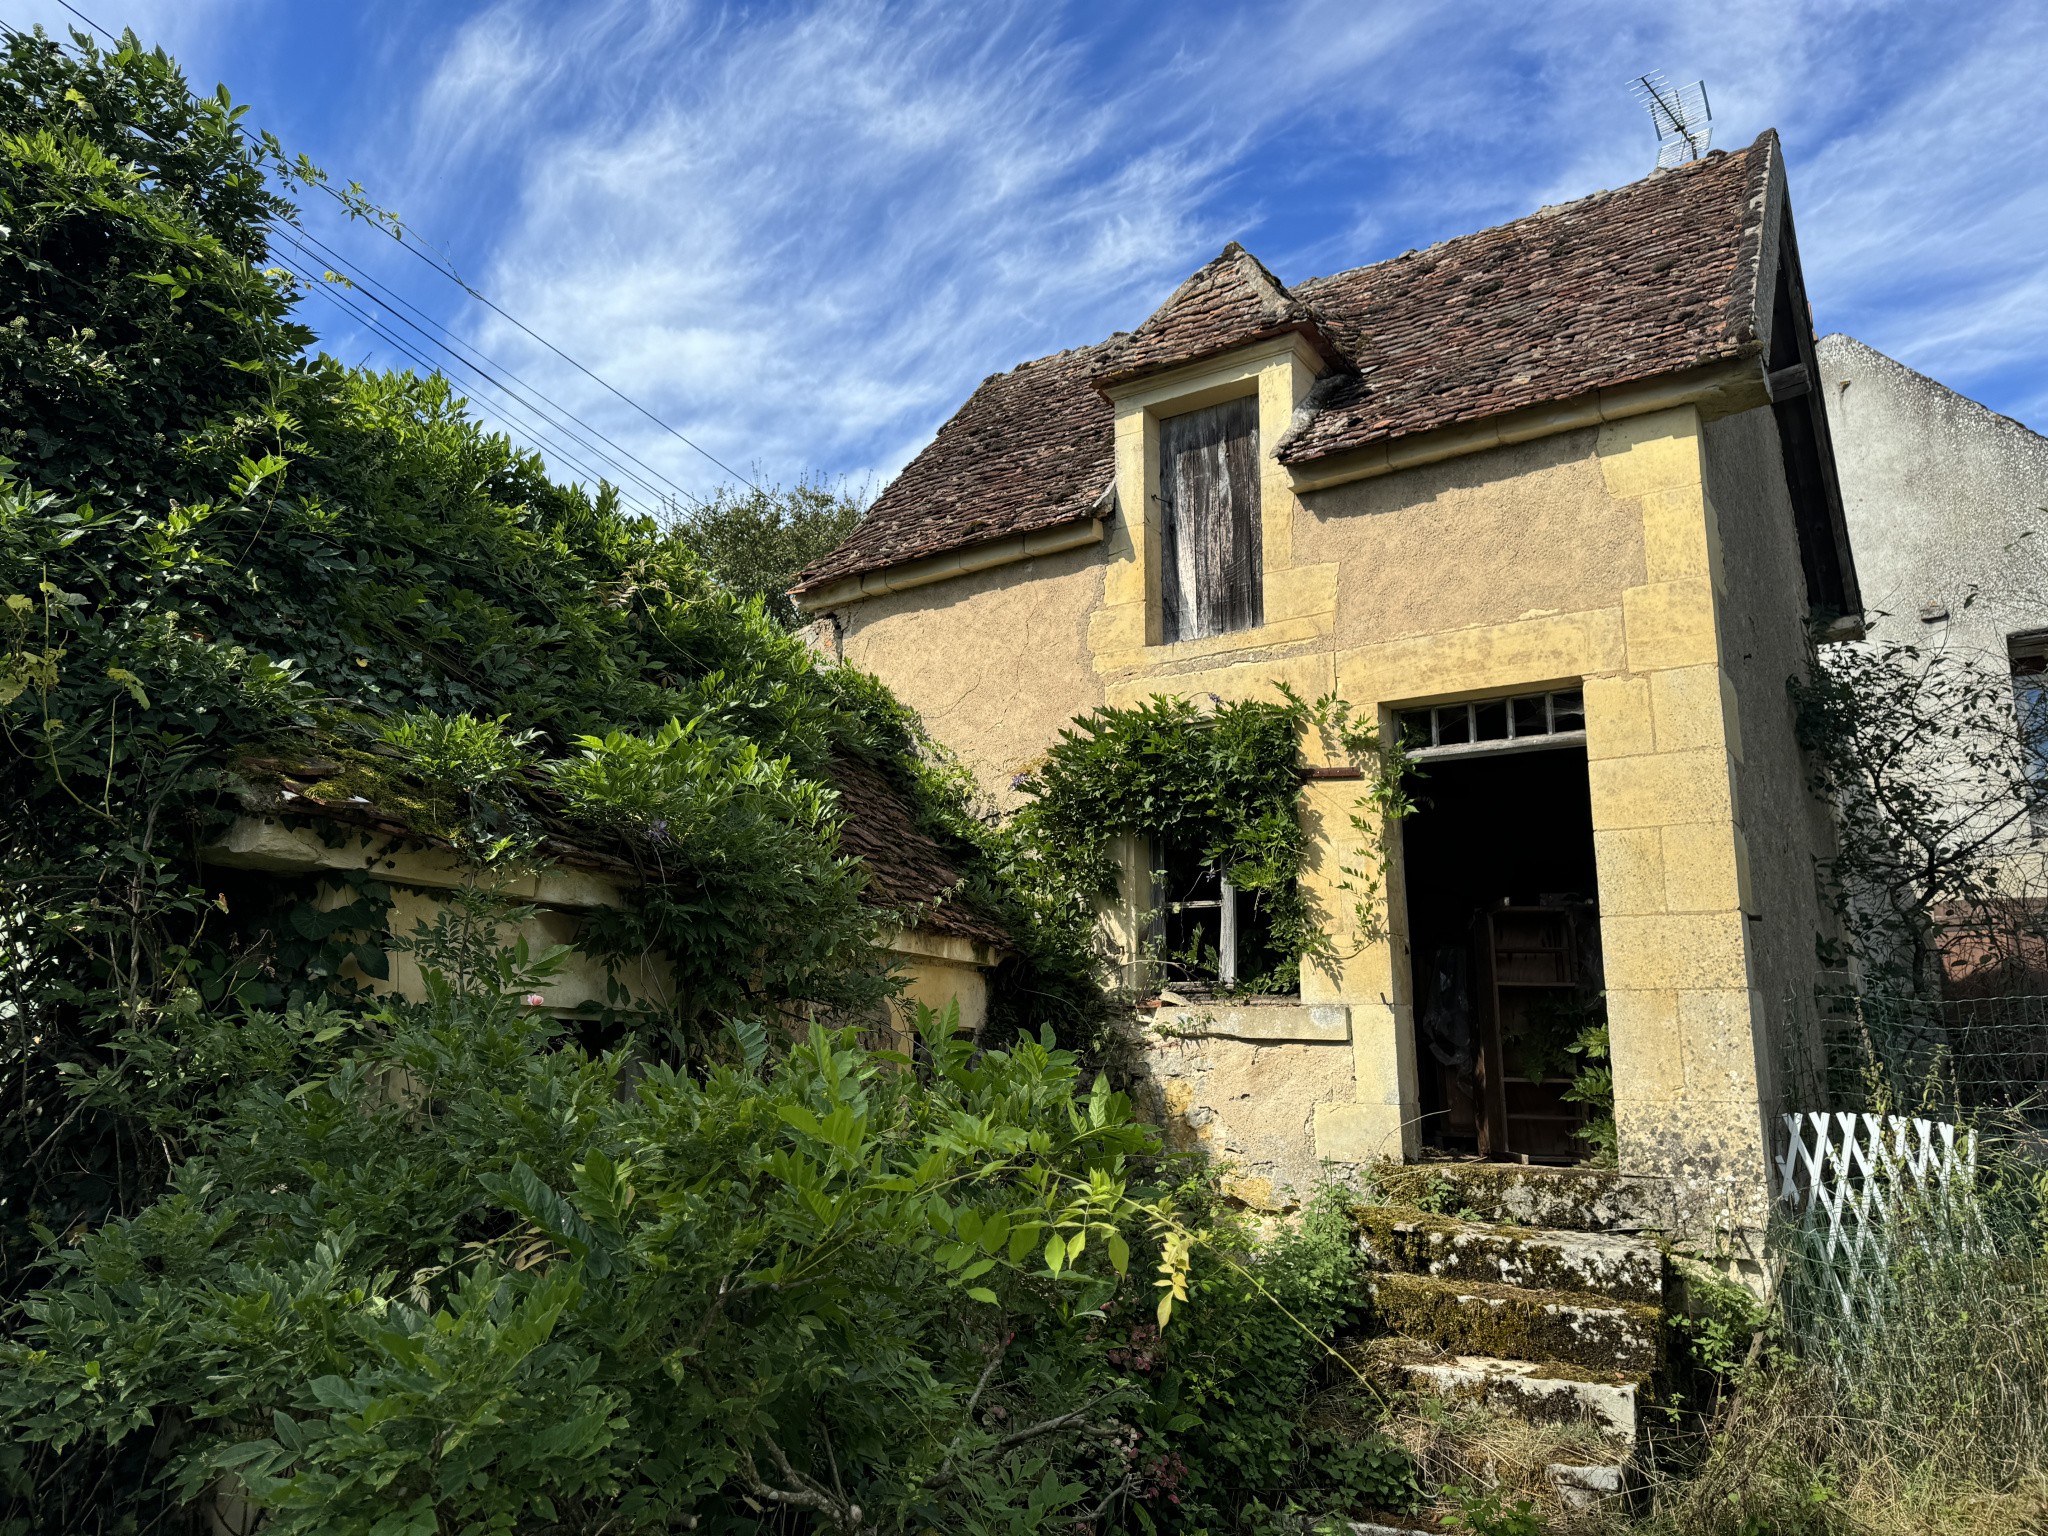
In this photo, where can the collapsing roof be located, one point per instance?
(1668, 274)
(909, 877)
(908, 873)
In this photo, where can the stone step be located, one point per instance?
(1612, 1264)
(1564, 1199)
(1478, 1317)
(1581, 1489)
(1546, 1392)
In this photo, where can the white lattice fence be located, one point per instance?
(1854, 1182)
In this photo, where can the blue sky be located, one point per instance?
(801, 234)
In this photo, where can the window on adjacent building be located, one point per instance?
(1490, 724)
(2029, 656)
(1210, 563)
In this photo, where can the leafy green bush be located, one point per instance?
(1249, 1409)
(757, 541)
(437, 1264)
(1487, 1512)
(218, 554)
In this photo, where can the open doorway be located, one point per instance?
(1504, 934)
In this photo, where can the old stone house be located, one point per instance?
(1556, 499)
(1947, 509)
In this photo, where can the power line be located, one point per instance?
(457, 279)
(552, 448)
(479, 360)
(449, 272)
(74, 10)
(539, 436)
(354, 290)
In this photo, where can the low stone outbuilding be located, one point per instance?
(939, 944)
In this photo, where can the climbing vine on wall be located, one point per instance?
(1223, 784)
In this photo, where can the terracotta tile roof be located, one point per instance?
(1031, 449)
(1653, 278)
(1624, 286)
(1231, 301)
(907, 871)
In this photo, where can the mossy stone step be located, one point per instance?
(1616, 1265)
(1565, 1199)
(1536, 1392)
(1476, 1317)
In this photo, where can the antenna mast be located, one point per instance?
(1681, 116)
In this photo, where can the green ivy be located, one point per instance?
(1224, 783)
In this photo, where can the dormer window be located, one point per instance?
(1210, 566)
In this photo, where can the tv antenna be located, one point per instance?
(1683, 120)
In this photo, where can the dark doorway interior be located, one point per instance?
(1504, 938)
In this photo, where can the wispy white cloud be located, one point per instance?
(801, 235)
(803, 243)
(1930, 220)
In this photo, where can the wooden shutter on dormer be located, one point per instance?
(1210, 565)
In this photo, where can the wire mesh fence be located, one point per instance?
(1912, 1236)
(1950, 1059)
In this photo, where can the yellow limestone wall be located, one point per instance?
(935, 969)
(995, 662)
(1588, 556)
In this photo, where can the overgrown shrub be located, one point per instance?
(1935, 783)
(436, 1267)
(1904, 1391)
(218, 554)
(757, 541)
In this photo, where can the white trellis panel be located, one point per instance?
(1848, 1179)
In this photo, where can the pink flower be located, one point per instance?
(533, 1000)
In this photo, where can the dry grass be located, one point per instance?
(1468, 1445)
(1463, 1444)
(1929, 1415)
(1789, 1456)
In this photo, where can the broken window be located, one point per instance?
(2029, 656)
(1215, 934)
(1210, 566)
(1550, 719)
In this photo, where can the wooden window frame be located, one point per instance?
(1532, 719)
(1209, 484)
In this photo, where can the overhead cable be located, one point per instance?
(540, 437)
(448, 271)
(391, 302)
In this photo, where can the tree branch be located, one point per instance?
(995, 1358)
(807, 1494)
(1029, 1432)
